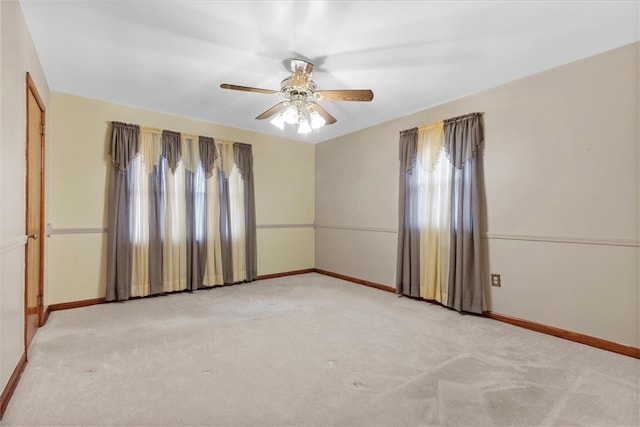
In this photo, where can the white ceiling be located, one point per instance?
(171, 56)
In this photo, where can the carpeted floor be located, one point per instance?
(311, 350)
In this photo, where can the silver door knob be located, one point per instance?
(34, 236)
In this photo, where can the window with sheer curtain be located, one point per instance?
(440, 246)
(181, 213)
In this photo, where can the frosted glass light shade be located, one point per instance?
(298, 114)
(290, 115)
(317, 121)
(304, 127)
(278, 121)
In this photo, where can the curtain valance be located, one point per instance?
(468, 127)
(124, 145)
(156, 144)
(469, 131)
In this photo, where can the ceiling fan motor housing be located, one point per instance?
(291, 88)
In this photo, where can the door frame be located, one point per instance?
(31, 88)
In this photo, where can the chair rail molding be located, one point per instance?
(13, 243)
(265, 226)
(358, 228)
(51, 230)
(634, 243)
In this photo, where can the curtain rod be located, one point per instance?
(222, 141)
(158, 130)
(464, 116)
(150, 129)
(190, 135)
(439, 123)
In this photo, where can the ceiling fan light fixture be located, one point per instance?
(317, 121)
(300, 114)
(290, 115)
(304, 127)
(278, 121)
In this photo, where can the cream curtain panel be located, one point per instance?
(440, 249)
(433, 192)
(181, 213)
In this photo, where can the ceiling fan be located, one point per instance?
(300, 106)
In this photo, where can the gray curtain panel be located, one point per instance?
(197, 259)
(196, 211)
(195, 268)
(156, 222)
(464, 140)
(124, 144)
(225, 228)
(171, 149)
(243, 157)
(408, 267)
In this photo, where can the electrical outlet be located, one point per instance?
(496, 281)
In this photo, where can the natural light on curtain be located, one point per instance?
(181, 213)
(440, 248)
(236, 210)
(433, 189)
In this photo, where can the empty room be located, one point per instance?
(319, 213)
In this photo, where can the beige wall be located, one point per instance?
(561, 168)
(79, 132)
(17, 57)
(562, 160)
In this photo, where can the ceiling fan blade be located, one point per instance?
(344, 95)
(300, 72)
(314, 106)
(248, 88)
(272, 111)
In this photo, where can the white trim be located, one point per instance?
(262, 226)
(353, 228)
(11, 244)
(634, 243)
(87, 230)
(98, 230)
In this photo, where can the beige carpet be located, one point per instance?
(311, 350)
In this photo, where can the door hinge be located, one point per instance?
(40, 301)
(41, 128)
